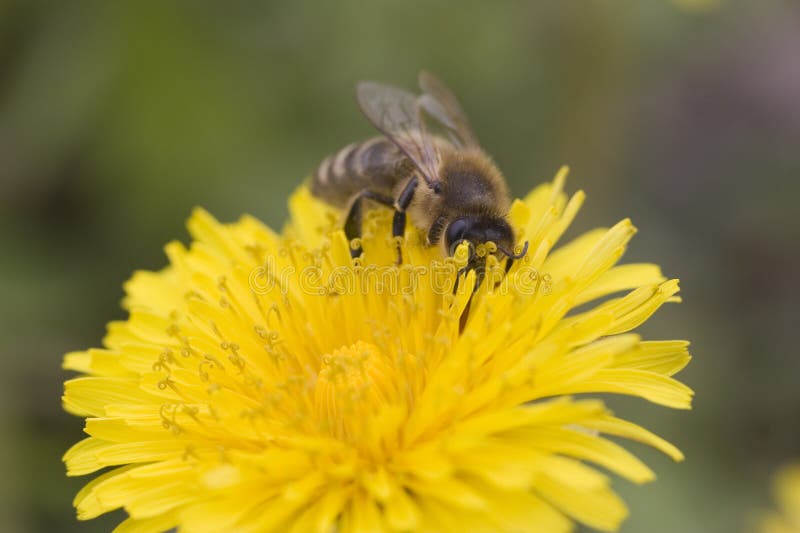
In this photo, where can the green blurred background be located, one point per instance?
(117, 117)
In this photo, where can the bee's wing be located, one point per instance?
(440, 103)
(397, 114)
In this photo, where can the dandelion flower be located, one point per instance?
(786, 487)
(268, 382)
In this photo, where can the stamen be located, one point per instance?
(353, 384)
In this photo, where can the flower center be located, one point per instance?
(354, 383)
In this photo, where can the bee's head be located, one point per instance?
(482, 229)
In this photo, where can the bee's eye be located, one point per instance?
(457, 231)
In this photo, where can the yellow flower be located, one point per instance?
(786, 487)
(267, 382)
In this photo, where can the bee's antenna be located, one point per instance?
(512, 255)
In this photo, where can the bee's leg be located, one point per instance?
(352, 224)
(479, 275)
(400, 206)
(462, 320)
(509, 264)
(435, 233)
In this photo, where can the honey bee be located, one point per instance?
(447, 184)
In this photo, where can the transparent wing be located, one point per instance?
(397, 114)
(440, 103)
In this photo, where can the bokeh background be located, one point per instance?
(117, 117)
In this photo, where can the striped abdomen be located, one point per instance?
(376, 164)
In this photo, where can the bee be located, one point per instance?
(442, 179)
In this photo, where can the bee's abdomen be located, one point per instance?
(376, 164)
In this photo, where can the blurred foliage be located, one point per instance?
(117, 117)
